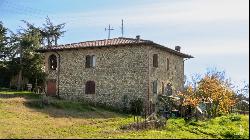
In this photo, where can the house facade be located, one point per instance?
(113, 71)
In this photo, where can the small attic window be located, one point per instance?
(52, 62)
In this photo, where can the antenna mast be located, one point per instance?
(122, 28)
(109, 29)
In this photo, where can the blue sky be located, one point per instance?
(216, 32)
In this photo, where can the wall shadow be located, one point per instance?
(21, 95)
(59, 108)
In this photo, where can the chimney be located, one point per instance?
(178, 48)
(138, 38)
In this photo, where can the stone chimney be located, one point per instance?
(178, 48)
(138, 38)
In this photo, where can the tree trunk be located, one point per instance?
(19, 85)
(56, 40)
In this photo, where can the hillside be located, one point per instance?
(23, 116)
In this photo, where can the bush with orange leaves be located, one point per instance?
(210, 88)
(221, 95)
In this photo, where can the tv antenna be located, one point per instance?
(122, 28)
(109, 29)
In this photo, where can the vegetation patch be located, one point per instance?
(28, 118)
(12, 94)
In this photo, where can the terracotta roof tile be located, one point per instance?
(110, 42)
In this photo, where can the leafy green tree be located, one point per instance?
(23, 57)
(3, 41)
(5, 75)
(51, 33)
(18, 54)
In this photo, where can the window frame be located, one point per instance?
(167, 64)
(90, 87)
(155, 87)
(52, 62)
(155, 60)
(90, 61)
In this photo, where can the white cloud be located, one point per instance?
(180, 12)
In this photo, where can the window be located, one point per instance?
(90, 61)
(167, 64)
(52, 62)
(93, 61)
(154, 87)
(90, 87)
(162, 87)
(155, 60)
(169, 90)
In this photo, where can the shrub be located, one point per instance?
(125, 104)
(234, 117)
(232, 134)
(136, 106)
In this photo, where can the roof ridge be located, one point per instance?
(111, 42)
(105, 40)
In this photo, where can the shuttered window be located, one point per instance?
(167, 64)
(90, 87)
(162, 88)
(155, 60)
(154, 87)
(93, 61)
(88, 58)
(90, 61)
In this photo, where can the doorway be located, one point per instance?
(51, 87)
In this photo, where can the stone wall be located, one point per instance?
(119, 71)
(51, 74)
(174, 75)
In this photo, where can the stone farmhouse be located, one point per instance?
(113, 71)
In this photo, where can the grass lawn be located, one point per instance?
(23, 116)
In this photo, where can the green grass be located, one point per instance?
(11, 94)
(25, 116)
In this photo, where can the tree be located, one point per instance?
(3, 41)
(210, 87)
(23, 56)
(18, 51)
(51, 33)
(215, 87)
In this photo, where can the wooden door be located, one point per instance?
(51, 87)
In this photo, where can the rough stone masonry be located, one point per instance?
(121, 69)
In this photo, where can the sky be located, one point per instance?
(215, 32)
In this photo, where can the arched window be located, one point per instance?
(90, 87)
(52, 62)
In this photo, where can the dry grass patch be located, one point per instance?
(24, 117)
